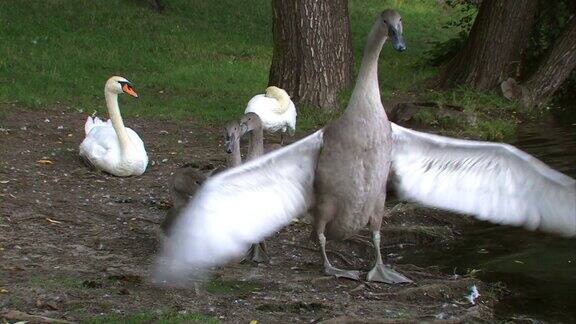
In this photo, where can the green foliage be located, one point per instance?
(551, 19)
(550, 22)
(463, 13)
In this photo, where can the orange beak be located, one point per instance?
(129, 90)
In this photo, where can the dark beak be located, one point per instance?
(397, 39)
(243, 129)
(229, 145)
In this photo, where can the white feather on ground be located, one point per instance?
(492, 181)
(239, 207)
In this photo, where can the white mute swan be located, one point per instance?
(109, 146)
(276, 111)
(341, 171)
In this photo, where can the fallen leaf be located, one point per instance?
(3, 291)
(53, 221)
(4, 181)
(253, 322)
(44, 161)
(519, 262)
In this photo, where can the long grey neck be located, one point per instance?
(367, 81)
(256, 143)
(234, 158)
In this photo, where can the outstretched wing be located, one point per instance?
(239, 207)
(492, 181)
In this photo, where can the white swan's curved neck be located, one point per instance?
(117, 123)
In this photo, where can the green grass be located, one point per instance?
(422, 21)
(57, 283)
(203, 59)
(199, 59)
(150, 317)
(496, 116)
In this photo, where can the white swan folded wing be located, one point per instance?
(495, 182)
(241, 206)
(103, 150)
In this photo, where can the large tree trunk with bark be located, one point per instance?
(313, 57)
(495, 47)
(554, 69)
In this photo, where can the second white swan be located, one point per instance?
(110, 146)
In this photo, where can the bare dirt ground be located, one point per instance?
(77, 245)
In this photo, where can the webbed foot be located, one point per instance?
(257, 253)
(381, 273)
(339, 273)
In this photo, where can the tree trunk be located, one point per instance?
(312, 57)
(495, 46)
(553, 70)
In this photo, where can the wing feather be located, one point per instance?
(492, 181)
(239, 207)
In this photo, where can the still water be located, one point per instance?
(538, 270)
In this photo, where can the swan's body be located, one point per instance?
(109, 146)
(343, 169)
(275, 109)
